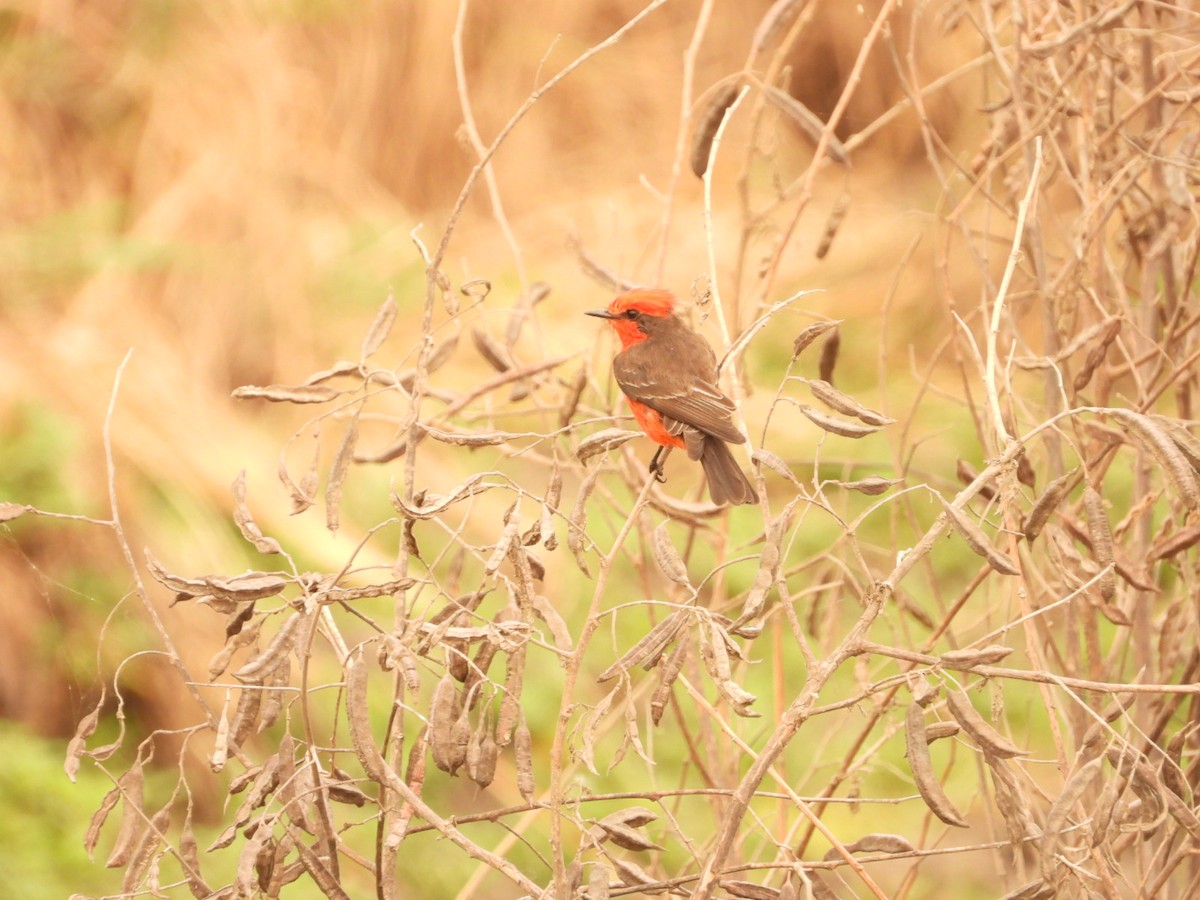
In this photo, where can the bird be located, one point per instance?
(668, 374)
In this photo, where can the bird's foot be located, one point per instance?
(656, 467)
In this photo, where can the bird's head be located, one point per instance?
(634, 314)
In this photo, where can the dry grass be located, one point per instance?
(648, 693)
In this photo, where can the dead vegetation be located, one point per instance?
(651, 694)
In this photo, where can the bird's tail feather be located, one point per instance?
(727, 483)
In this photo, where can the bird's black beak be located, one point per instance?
(600, 314)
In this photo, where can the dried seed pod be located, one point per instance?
(1056, 819)
(668, 558)
(244, 520)
(1173, 544)
(266, 662)
(988, 738)
(938, 730)
(626, 837)
(460, 739)
(829, 355)
(875, 843)
(523, 750)
(221, 740)
(739, 699)
(603, 441)
(10, 511)
(1111, 327)
(967, 474)
(968, 659)
(443, 714)
(380, 328)
(147, 847)
(749, 890)
(832, 224)
(84, 730)
(1046, 504)
(1011, 800)
(130, 788)
(285, 393)
(456, 648)
(633, 816)
(597, 888)
(1033, 890)
(837, 426)
(872, 486)
(358, 715)
(484, 771)
(809, 123)
(670, 671)
(810, 334)
(559, 631)
(780, 13)
(99, 817)
(1102, 541)
(632, 874)
(246, 717)
(847, 405)
(490, 349)
(774, 463)
(921, 764)
(978, 541)
(708, 124)
(510, 704)
(1158, 441)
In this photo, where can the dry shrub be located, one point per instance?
(654, 694)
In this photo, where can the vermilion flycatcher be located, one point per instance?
(668, 374)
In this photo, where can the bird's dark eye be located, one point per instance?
(632, 314)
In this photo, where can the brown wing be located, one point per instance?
(675, 374)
